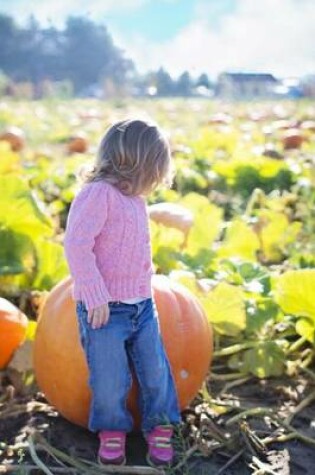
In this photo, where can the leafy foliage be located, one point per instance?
(249, 254)
(82, 52)
(294, 292)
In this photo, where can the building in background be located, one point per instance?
(246, 85)
(308, 86)
(289, 88)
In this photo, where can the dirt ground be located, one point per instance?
(216, 436)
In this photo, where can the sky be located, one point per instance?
(212, 36)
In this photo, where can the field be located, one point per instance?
(245, 177)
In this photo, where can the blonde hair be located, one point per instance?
(133, 155)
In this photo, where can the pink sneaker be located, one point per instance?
(112, 447)
(161, 451)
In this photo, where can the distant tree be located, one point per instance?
(184, 85)
(8, 42)
(164, 83)
(52, 47)
(204, 81)
(29, 64)
(89, 54)
(83, 53)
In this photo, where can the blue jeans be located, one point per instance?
(131, 335)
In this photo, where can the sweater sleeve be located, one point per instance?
(86, 218)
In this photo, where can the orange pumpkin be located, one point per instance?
(13, 325)
(292, 139)
(172, 215)
(77, 144)
(221, 118)
(15, 137)
(59, 361)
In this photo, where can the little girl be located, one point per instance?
(107, 246)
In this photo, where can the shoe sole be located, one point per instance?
(111, 462)
(158, 463)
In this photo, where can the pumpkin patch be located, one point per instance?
(233, 251)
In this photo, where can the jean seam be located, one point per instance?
(127, 390)
(139, 374)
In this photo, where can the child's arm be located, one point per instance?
(86, 218)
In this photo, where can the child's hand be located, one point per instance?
(98, 316)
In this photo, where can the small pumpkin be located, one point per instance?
(59, 362)
(220, 118)
(172, 215)
(292, 139)
(77, 144)
(13, 324)
(15, 137)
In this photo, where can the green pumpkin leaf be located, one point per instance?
(186, 278)
(294, 292)
(265, 360)
(51, 264)
(265, 311)
(225, 308)
(239, 241)
(21, 210)
(9, 161)
(305, 327)
(17, 253)
(277, 234)
(207, 223)
(162, 236)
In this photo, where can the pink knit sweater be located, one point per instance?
(107, 245)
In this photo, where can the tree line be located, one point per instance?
(82, 53)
